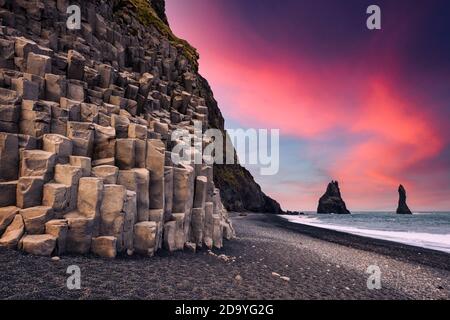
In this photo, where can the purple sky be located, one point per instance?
(367, 108)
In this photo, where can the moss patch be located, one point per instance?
(148, 16)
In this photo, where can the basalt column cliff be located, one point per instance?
(86, 118)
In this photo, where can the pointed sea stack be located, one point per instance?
(331, 201)
(402, 206)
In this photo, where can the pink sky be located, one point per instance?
(356, 113)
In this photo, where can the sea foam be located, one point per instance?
(426, 230)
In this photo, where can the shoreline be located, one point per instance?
(407, 252)
(271, 259)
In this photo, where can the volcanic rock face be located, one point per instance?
(402, 206)
(160, 9)
(240, 192)
(86, 118)
(331, 201)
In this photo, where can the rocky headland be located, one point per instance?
(85, 134)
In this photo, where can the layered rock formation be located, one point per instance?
(331, 201)
(402, 206)
(86, 118)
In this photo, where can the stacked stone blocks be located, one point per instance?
(85, 125)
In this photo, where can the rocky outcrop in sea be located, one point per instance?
(331, 201)
(402, 206)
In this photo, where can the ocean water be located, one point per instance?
(423, 229)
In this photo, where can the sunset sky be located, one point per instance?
(367, 108)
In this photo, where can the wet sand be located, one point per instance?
(319, 263)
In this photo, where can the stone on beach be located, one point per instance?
(39, 245)
(209, 225)
(130, 218)
(90, 196)
(104, 246)
(145, 238)
(79, 235)
(13, 233)
(35, 218)
(58, 229)
(169, 236)
(180, 237)
(157, 215)
(7, 215)
(217, 232)
(198, 217)
(111, 213)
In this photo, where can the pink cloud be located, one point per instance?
(380, 133)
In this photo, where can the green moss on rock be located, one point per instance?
(148, 16)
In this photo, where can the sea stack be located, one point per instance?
(402, 206)
(331, 201)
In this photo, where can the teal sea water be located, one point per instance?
(423, 229)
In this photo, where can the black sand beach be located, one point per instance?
(320, 264)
